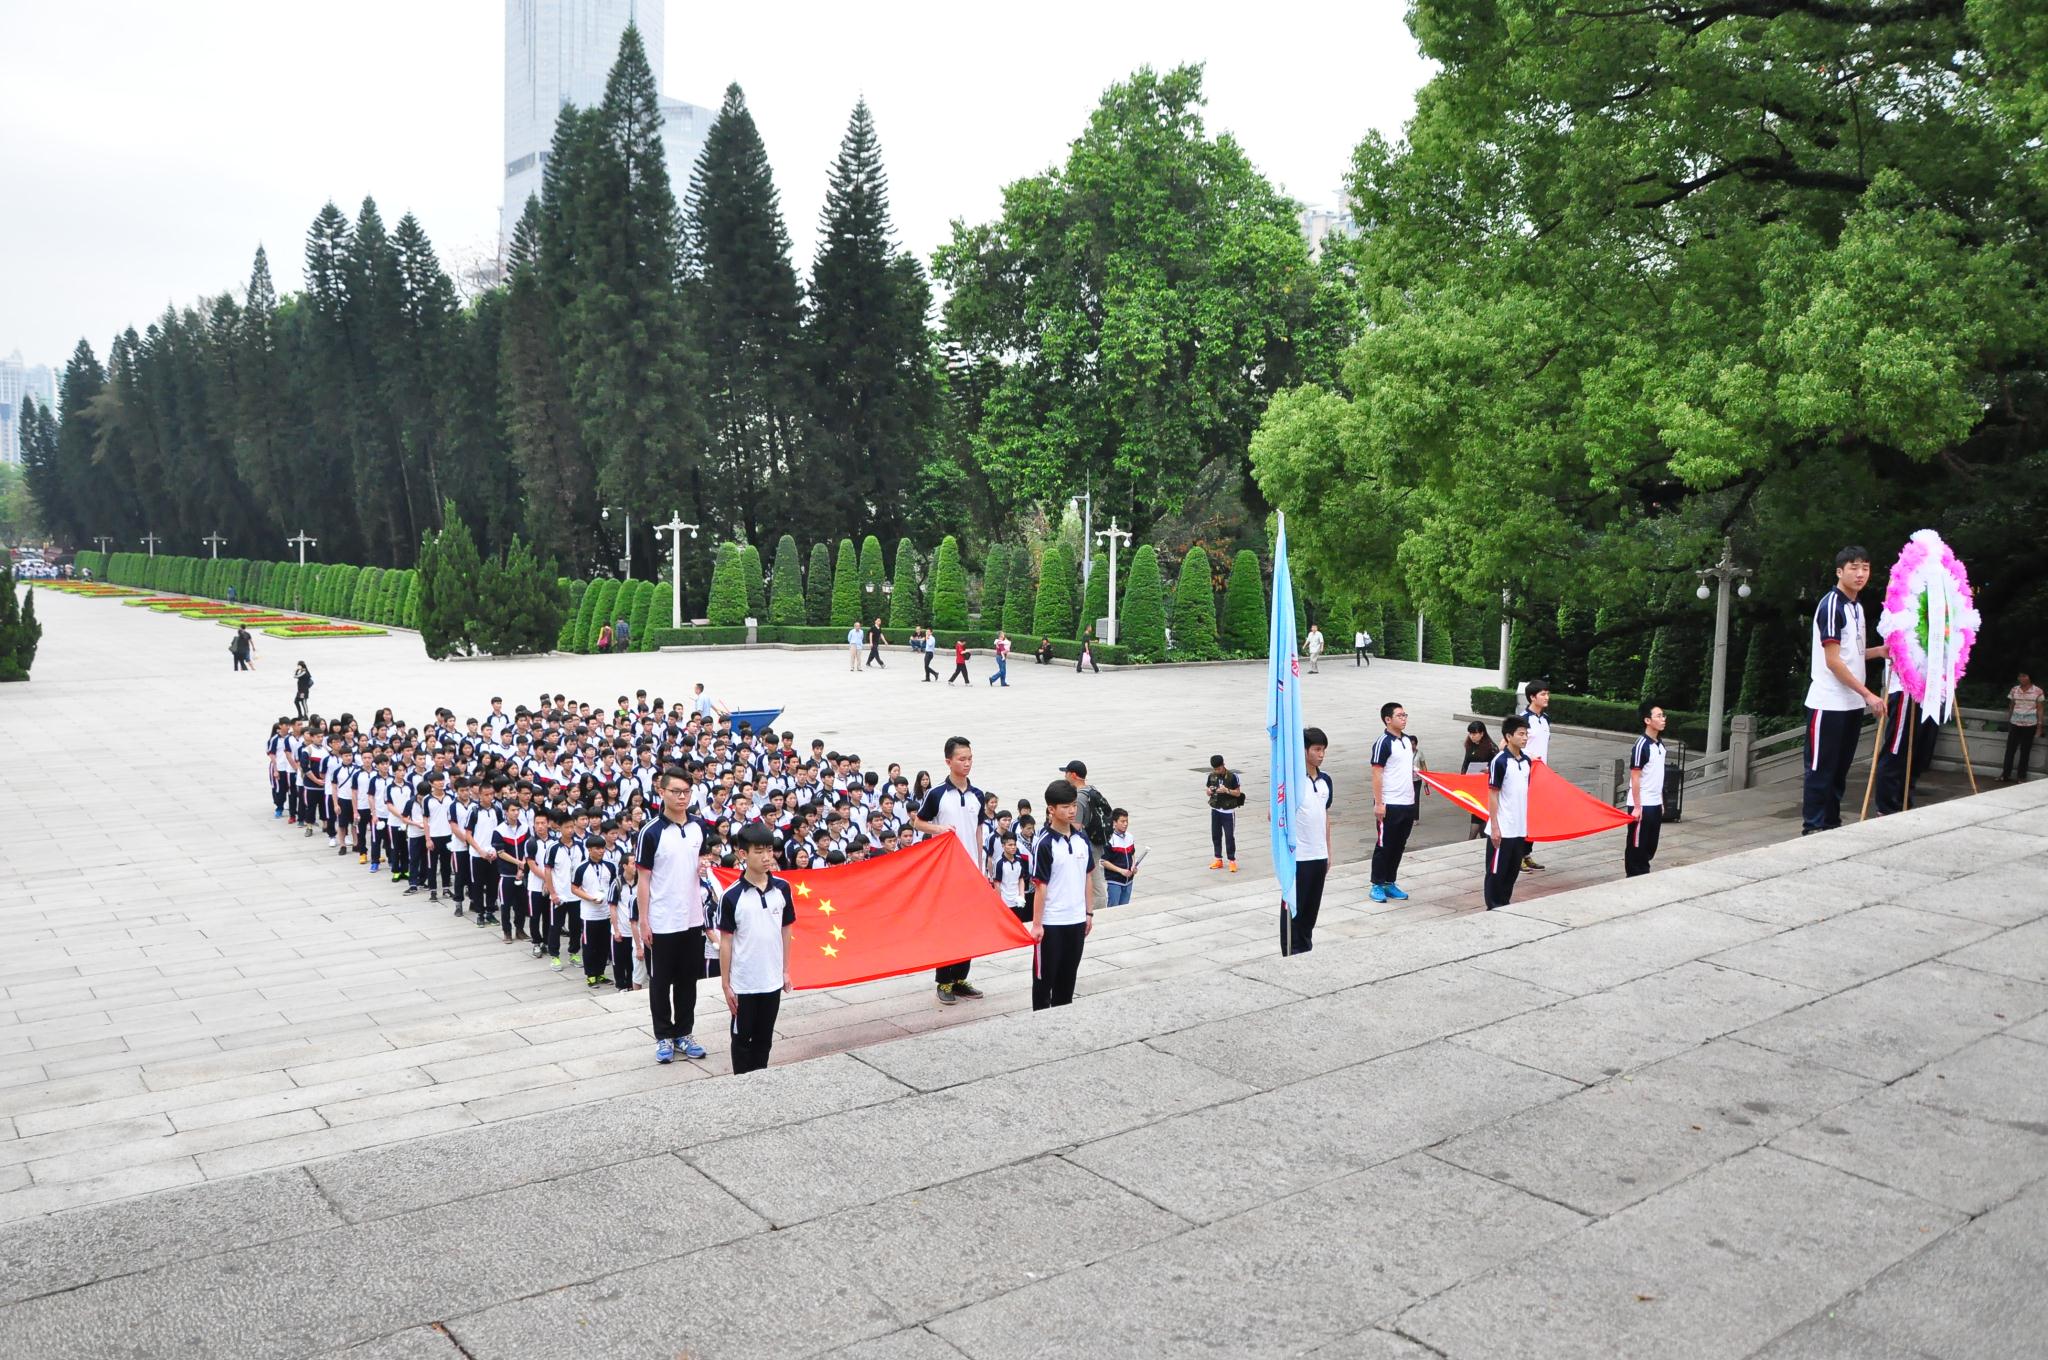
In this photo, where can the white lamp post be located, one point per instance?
(1114, 535)
(299, 581)
(150, 541)
(1722, 572)
(214, 541)
(674, 528)
(626, 562)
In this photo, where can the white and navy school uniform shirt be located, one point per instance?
(1312, 818)
(440, 815)
(1538, 745)
(1060, 866)
(1009, 880)
(959, 811)
(598, 878)
(669, 853)
(1394, 757)
(753, 920)
(1510, 776)
(1647, 755)
(1837, 619)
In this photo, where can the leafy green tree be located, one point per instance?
(748, 311)
(1141, 622)
(17, 646)
(1815, 230)
(1194, 608)
(1436, 642)
(906, 605)
(547, 448)
(1020, 594)
(1614, 668)
(818, 586)
(949, 587)
(523, 603)
(873, 397)
(751, 577)
(993, 574)
(1140, 303)
(660, 614)
(846, 587)
(1244, 608)
(786, 594)
(1053, 615)
(451, 582)
(728, 605)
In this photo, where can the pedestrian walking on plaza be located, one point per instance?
(1002, 650)
(622, 633)
(671, 920)
(875, 644)
(1087, 656)
(1361, 646)
(1507, 826)
(1645, 792)
(1225, 795)
(1063, 912)
(2023, 713)
(1394, 766)
(1311, 843)
(928, 651)
(302, 682)
(960, 662)
(241, 647)
(1315, 649)
(756, 932)
(604, 639)
(853, 648)
(1837, 696)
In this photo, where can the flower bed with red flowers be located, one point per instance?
(259, 618)
(319, 629)
(97, 590)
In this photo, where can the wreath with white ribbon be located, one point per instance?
(1929, 623)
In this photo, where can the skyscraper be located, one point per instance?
(560, 52)
(17, 380)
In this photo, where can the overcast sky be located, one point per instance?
(147, 148)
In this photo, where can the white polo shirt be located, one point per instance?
(669, 856)
(1538, 745)
(1395, 758)
(1837, 619)
(1647, 755)
(753, 920)
(1061, 865)
(959, 812)
(1510, 775)
(1312, 819)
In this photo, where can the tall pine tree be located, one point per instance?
(873, 398)
(547, 442)
(749, 318)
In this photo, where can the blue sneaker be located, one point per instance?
(276, 813)
(665, 1051)
(1393, 890)
(691, 1048)
(1378, 893)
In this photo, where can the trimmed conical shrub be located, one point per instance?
(1141, 622)
(728, 605)
(1245, 624)
(786, 597)
(949, 587)
(906, 605)
(1054, 614)
(846, 586)
(818, 587)
(1194, 609)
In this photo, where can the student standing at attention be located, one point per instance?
(1837, 696)
(1507, 823)
(1393, 801)
(1061, 918)
(756, 931)
(1536, 716)
(1311, 844)
(1645, 792)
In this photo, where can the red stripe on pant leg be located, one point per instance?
(1495, 867)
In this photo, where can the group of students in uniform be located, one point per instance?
(581, 831)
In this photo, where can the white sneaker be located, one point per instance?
(331, 841)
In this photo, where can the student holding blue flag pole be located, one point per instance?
(1301, 791)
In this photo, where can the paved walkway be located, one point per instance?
(1786, 1105)
(200, 992)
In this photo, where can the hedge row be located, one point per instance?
(1602, 715)
(335, 589)
(982, 645)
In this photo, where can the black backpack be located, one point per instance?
(1096, 822)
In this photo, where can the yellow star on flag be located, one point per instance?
(826, 906)
(838, 934)
(803, 890)
(830, 952)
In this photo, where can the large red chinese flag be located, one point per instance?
(1559, 810)
(903, 912)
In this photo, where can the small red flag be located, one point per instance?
(1559, 810)
(902, 912)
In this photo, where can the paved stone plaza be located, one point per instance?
(1786, 1103)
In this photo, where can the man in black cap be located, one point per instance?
(1093, 818)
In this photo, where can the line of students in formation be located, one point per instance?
(1396, 762)
(592, 833)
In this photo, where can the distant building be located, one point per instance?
(560, 52)
(1319, 224)
(16, 381)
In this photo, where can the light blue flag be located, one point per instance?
(1283, 724)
